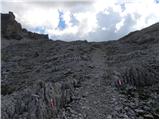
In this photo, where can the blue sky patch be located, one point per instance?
(40, 30)
(62, 24)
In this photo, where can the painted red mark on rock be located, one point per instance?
(119, 82)
(53, 103)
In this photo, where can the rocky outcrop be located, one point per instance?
(42, 78)
(10, 27)
(35, 36)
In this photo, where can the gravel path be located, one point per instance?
(94, 98)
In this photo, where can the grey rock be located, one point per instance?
(148, 116)
(10, 27)
(109, 117)
(139, 111)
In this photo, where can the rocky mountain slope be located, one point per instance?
(42, 78)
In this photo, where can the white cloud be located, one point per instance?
(37, 18)
(87, 23)
(84, 19)
(104, 28)
(119, 25)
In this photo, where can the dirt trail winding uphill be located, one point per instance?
(95, 98)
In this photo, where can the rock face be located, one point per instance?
(10, 28)
(55, 79)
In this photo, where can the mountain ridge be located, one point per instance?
(26, 33)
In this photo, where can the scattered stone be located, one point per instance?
(68, 71)
(91, 66)
(148, 116)
(156, 115)
(140, 117)
(139, 111)
(84, 57)
(125, 116)
(109, 117)
(36, 54)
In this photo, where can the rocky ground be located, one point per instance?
(42, 78)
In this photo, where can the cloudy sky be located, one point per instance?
(92, 20)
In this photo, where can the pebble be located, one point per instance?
(85, 115)
(139, 111)
(76, 98)
(132, 104)
(74, 116)
(126, 108)
(117, 108)
(148, 116)
(125, 116)
(140, 117)
(91, 66)
(146, 108)
(109, 117)
(156, 115)
(85, 94)
(113, 99)
(95, 102)
(85, 107)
